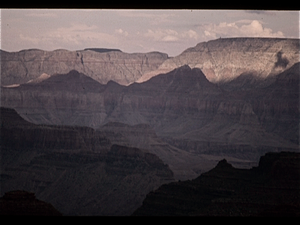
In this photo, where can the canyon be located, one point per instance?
(269, 190)
(102, 65)
(225, 59)
(76, 169)
(111, 126)
(182, 107)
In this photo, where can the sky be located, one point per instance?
(168, 31)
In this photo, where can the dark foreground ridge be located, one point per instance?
(271, 189)
(23, 203)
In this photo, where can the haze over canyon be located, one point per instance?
(111, 126)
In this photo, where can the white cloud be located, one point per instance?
(170, 38)
(122, 32)
(241, 28)
(191, 34)
(169, 35)
(256, 29)
(161, 35)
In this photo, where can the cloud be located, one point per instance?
(191, 34)
(122, 32)
(33, 40)
(162, 35)
(242, 28)
(78, 34)
(256, 29)
(169, 35)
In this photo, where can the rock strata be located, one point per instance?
(271, 189)
(182, 107)
(102, 65)
(242, 117)
(76, 169)
(227, 58)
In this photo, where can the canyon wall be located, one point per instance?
(103, 66)
(225, 59)
(76, 169)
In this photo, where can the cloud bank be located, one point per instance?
(243, 28)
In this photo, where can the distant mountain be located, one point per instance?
(102, 65)
(70, 82)
(225, 59)
(221, 60)
(253, 110)
(76, 169)
(189, 114)
(271, 189)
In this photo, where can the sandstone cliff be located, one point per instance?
(103, 66)
(271, 189)
(222, 60)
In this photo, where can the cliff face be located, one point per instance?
(22, 203)
(76, 169)
(18, 133)
(182, 107)
(243, 117)
(271, 189)
(103, 66)
(221, 60)
(227, 58)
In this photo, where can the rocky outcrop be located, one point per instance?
(225, 59)
(55, 101)
(184, 165)
(271, 189)
(182, 107)
(76, 169)
(243, 118)
(18, 133)
(23, 203)
(102, 65)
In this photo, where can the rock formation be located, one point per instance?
(102, 65)
(182, 107)
(76, 169)
(242, 116)
(23, 203)
(225, 59)
(271, 189)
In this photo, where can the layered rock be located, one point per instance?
(244, 117)
(225, 59)
(102, 65)
(18, 133)
(76, 169)
(183, 107)
(184, 165)
(271, 189)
